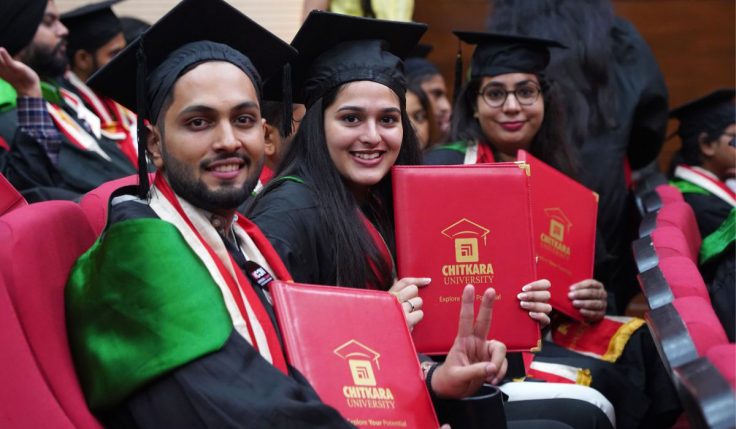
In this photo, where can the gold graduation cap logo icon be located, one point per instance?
(559, 223)
(466, 234)
(359, 359)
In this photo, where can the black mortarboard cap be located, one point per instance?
(133, 27)
(417, 65)
(91, 26)
(498, 53)
(710, 114)
(19, 21)
(194, 31)
(335, 49)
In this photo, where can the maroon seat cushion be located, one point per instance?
(669, 194)
(681, 215)
(39, 244)
(670, 241)
(723, 357)
(683, 277)
(25, 399)
(704, 327)
(95, 202)
(10, 198)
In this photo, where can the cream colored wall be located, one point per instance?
(282, 17)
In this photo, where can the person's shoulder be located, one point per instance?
(286, 193)
(128, 207)
(446, 154)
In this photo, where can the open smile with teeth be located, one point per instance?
(226, 168)
(367, 155)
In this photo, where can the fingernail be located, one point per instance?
(494, 381)
(525, 304)
(526, 288)
(426, 281)
(521, 296)
(571, 295)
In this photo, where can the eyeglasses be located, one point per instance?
(495, 96)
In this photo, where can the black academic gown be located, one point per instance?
(719, 274)
(230, 388)
(78, 171)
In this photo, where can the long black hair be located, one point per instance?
(584, 71)
(308, 157)
(549, 144)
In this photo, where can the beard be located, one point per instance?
(182, 180)
(48, 62)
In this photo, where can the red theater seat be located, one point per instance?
(680, 215)
(94, 203)
(723, 357)
(670, 241)
(704, 327)
(669, 194)
(25, 399)
(10, 198)
(683, 276)
(39, 244)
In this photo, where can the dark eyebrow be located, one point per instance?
(360, 109)
(201, 108)
(516, 85)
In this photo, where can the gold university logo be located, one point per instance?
(359, 359)
(364, 392)
(559, 226)
(466, 234)
(467, 267)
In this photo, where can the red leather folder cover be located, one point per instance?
(466, 224)
(354, 347)
(564, 214)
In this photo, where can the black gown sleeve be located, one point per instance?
(289, 218)
(231, 388)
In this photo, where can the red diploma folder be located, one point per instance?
(354, 347)
(466, 224)
(564, 214)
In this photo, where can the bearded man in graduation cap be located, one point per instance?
(54, 146)
(168, 318)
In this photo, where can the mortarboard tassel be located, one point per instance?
(287, 102)
(458, 72)
(140, 87)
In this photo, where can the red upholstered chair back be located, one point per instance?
(95, 202)
(670, 241)
(39, 245)
(681, 215)
(10, 198)
(669, 194)
(723, 357)
(683, 277)
(25, 399)
(704, 327)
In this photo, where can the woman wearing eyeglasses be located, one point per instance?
(507, 105)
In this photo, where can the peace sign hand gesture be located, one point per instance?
(473, 359)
